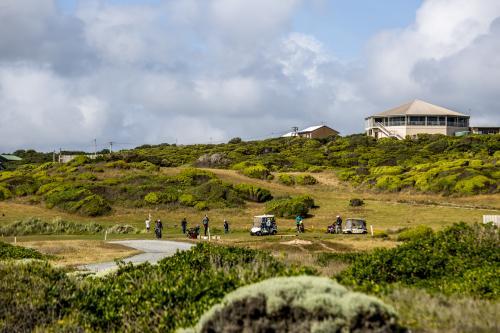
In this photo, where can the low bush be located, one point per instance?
(253, 193)
(174, 293)
(356, 202)
(36, 226)
(8, 251)
(122, 229)
(5, 193)
(417, 232)
(92, 205)
(290, 207)
(257, 171)
(33, 294)
(455, 258)
(290, 180)
(298, 304)
(305, 180)
(286, 179)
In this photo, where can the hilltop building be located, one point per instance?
(8, 158)
(417, 117)
(313, 132)
(485, 129)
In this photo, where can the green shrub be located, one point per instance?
(92, 205)
(36, 226)
(33, 294)
(201, 205)
(420, 231)
(308, 304)
(122, 229)
(5, 193)
(290, 207)
(253, 193)
(305, 180)
(152, 198)
(390, 183)
(187, 200)
(476, 184)
(145, 165)
(356, 202)
(79, 161)
(120, 164)
(257, 171)
(87, 176)
(8, 251)
(286, 179)
(451, 259)
(141, 297)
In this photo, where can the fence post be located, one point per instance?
(208, 234)
(105, 235)
(371, 229)
(15, 240)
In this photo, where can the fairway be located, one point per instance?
(386, 212)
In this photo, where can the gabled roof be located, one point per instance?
(419, 108)
(307, 130)
(10, 157)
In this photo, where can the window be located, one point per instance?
(396, 121)
(452, 121)
(432, 121)
(463, 122)
(416, 121)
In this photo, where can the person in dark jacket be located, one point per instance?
(158, 228)
(205, 223)
(338, 225)
(226, 226)
(184, 224)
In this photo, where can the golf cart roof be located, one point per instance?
(260, 216)
(356, 218)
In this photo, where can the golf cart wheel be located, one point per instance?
(274, 232)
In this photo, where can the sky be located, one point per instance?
(200, 71)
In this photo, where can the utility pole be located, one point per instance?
(54, 156)
(60, 152)
(111, 147)
(95, 148)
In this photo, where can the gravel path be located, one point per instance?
(154, 250)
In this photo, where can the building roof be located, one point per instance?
(419, 108)
(307, 130)
(10, 157)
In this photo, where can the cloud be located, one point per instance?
(208, 70)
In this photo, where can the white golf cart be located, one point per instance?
(264, 225)
(354, 226)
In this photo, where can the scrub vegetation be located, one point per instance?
(159, 298)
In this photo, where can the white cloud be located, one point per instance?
(192, 70)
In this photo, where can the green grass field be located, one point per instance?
(386, 212)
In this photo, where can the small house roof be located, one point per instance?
(8, 157)
(419, 108)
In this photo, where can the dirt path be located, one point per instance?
(153, 251)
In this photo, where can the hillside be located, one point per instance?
(429, 164)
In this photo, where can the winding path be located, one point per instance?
(153, 251)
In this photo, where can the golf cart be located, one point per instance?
(354, 226)
(264, 225)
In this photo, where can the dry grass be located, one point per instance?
(78, 252)
(423, 312)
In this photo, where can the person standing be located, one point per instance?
(226, 226)
(205, 223)
(158, 229)
(298, 221)
(184, 225)
(338, 225)
(148, 224)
